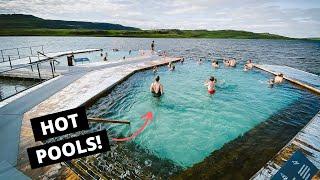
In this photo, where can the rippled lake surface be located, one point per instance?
(245, 122)
(298, 54)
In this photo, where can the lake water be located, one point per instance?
(302, 55)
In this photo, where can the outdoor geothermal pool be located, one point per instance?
(189, 124)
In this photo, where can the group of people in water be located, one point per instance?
(156, 88)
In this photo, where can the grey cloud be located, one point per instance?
(294, 18)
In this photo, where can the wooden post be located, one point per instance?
(103, 120)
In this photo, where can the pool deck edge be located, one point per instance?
(301, 84)
(307, 141)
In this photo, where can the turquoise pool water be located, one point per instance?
(189, 123)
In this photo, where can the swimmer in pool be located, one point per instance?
(173, 67)
(156, 87)
(271, 83)
(232, 63)
(226, 62)
(211, 85)
(215, 64)
(155, 69)
(278, 79)
(250, 64)
(200, 61)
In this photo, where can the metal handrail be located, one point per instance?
(3, 54)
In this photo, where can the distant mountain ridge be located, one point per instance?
(29, 25)
(12, 21)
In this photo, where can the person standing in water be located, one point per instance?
(156, 88)
(211, 85)
(152, 46)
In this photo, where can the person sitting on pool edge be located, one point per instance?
(211, 85)
(278, 79)
(156, 87)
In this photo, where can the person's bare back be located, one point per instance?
(156, 87)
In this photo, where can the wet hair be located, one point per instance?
(217, 62)
(211, 78)
(281, 75)
(157, 78)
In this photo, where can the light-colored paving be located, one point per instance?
(5, 66)
(307, 141)
(304, 79)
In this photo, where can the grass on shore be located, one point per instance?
(141, 33)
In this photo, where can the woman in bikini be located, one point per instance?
(211, 85)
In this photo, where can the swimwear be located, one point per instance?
(158, 94)
(211, 91)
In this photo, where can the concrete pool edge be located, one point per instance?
(302, 141)
(291, 80)
(109, 78)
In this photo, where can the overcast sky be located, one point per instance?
(293, 18)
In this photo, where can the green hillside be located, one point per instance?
(28, 25)
(20, 21)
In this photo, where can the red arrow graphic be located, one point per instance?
(147, 117)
